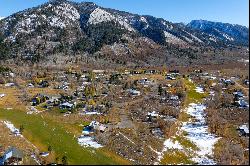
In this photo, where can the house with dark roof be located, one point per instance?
(244, 130)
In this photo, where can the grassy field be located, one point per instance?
(174, 157)
(44, 132)
(186, 143)
(192, 95)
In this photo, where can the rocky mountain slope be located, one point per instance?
(229, 33)
(70, 28)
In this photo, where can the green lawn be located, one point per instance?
(186, 143)
(192, 95)
(174, 157)
(43, 132)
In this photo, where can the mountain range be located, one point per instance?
(70, 28)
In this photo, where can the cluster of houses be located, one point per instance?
(64, 102)
(239, 98)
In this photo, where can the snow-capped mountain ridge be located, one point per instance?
(88, 27)
(229, 33)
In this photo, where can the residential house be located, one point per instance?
(244, 130)
(43, 84)
(157, 132)
(242, 103)
(229, 82)
(87, 130)
(40, 98)
(12, 156)
(134, 92)
(98, 126)
(152, 116)
(67, 106)
(169, 77)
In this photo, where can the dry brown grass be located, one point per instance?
(11, 98)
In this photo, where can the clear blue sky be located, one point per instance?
(230, 11)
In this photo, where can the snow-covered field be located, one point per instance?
(12, 128)
(197, 133)
(88, 141)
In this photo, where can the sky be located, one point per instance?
(227, 11)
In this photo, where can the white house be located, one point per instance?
(67, 105)
(134, 92)
(98, 126)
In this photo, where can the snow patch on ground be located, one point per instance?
(88, 141)
(168, 145)
(170, 27)
(33, 110)
(198, 134)
(194, 37)
(172, 39)
(12, 128)
(199, 89)
(227, 37)
(92, 113)
(68, 11)
(143, 19)
(100, 15)
(187, 39)
(55, 21)
(212, 39)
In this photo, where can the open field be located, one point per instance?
(192, 95)
(43, 132)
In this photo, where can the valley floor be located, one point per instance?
(133, 118)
